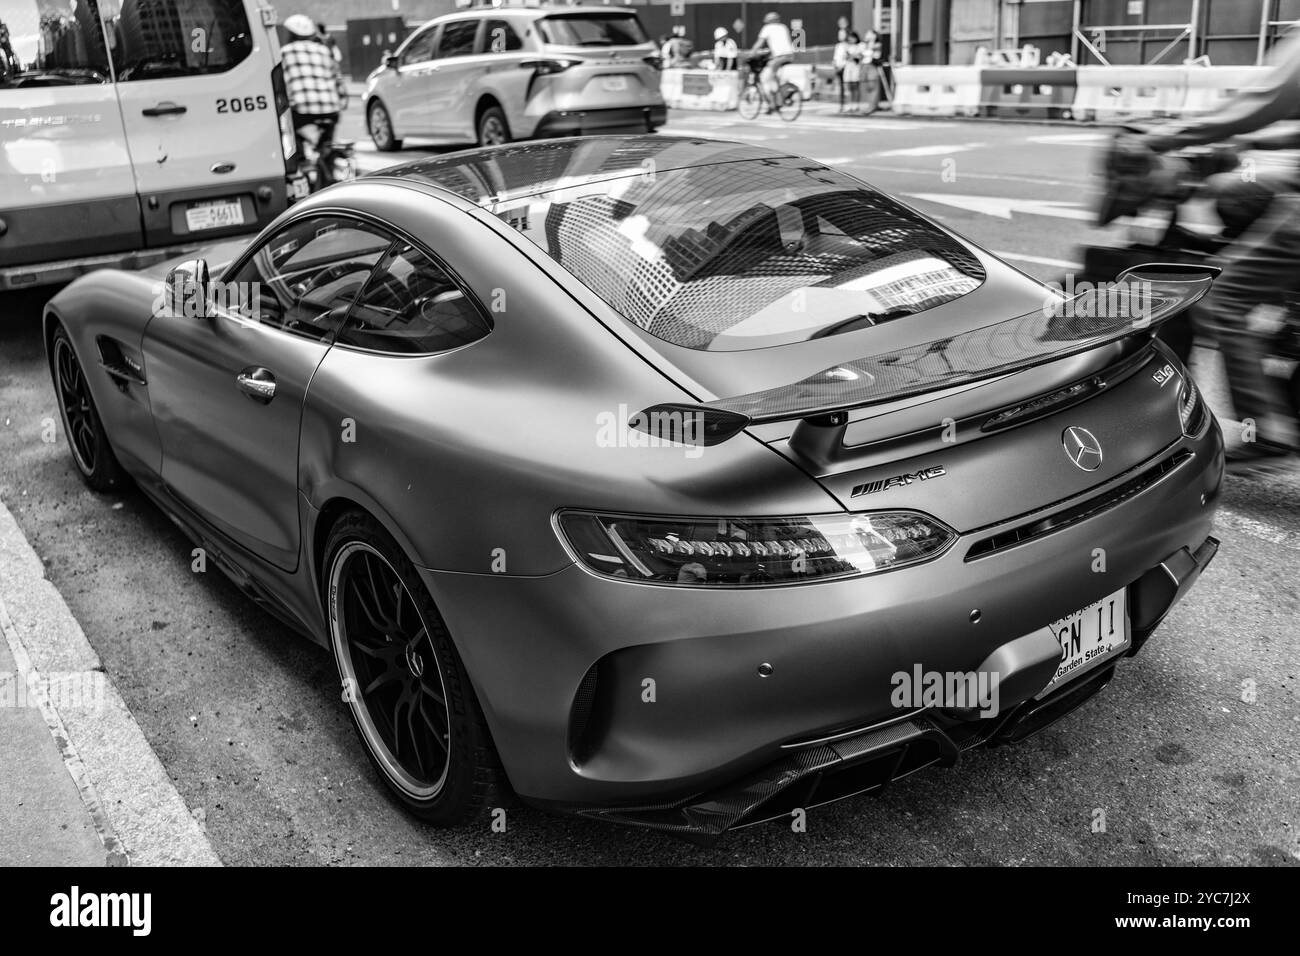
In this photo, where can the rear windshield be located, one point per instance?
(592, 29)
(747, 255)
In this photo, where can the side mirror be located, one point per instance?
(390, 60)
(186, 290)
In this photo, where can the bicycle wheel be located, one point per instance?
(751, 101)
(789, 102)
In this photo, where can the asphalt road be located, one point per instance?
(247, 720)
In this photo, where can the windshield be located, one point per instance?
(747, 255)
(592, 29)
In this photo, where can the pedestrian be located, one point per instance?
(872, 74)
(725, 51)
(855, 55)
(840, 59)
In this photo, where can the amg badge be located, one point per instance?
(898, 481)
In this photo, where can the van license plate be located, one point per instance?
(215, 214)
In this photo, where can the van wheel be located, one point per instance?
(380, 126)
(493, 130)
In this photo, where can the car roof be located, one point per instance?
(534, 12)
(496, 173)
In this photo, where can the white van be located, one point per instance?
(133, 129)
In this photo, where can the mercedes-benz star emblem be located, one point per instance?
(1082, 448)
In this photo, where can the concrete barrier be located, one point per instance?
(716, 90)
(1109, 93)
(937, 90)
(1208, 87)
(1029, 93)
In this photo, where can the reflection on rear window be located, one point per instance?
(592, 29)
(747, 255)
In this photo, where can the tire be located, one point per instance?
(87, 440)
(751, 101)
(789, 102)
(493, 129)
(433, 751)
(380, 126)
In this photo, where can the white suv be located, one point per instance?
(494, 75)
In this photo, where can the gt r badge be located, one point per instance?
(1082, 448)
(898, 481)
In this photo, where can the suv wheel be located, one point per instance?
(493, 130)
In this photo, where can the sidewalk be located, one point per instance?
(79, 783)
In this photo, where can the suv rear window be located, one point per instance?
(747, 255)
(592, 29)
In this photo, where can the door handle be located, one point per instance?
(166, 108)
(257, 383)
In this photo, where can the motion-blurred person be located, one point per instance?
(725, 51)
(312, 78)
(773, 39)
(1262, 265)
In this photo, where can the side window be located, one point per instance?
(457, 38)
(500, 37)
(51, 43)
(150, 39)
(420, 48)
(413, 306)
(303, 278)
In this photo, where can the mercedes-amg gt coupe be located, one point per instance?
(666, 481)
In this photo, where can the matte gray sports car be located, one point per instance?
(673, 482)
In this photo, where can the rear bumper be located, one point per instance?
(65, 270)
(577, 122)
(642, 703)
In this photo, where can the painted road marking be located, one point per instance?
(1037, 260)
(941, 149)
(1071, 139)
(1228, 518)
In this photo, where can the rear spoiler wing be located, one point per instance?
(1142, 299)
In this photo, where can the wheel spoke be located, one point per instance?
(375, 620)
(385, 677)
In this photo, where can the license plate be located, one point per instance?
(614, 84)
(215, 214)
(1089, 637)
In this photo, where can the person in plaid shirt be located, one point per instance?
(311, 75)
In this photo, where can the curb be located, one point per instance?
(140, 817)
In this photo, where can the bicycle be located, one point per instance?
(789, 100)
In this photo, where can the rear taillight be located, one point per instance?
(751, 552)
(1191, 408)
(549, 65)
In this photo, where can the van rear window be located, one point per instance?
(152, 39)
(47, 43)
(592, 29)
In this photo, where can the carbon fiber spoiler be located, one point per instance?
(1140, 301)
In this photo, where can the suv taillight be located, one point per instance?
(550, 65)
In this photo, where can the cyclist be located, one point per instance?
(774, 39)
(312, 77)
